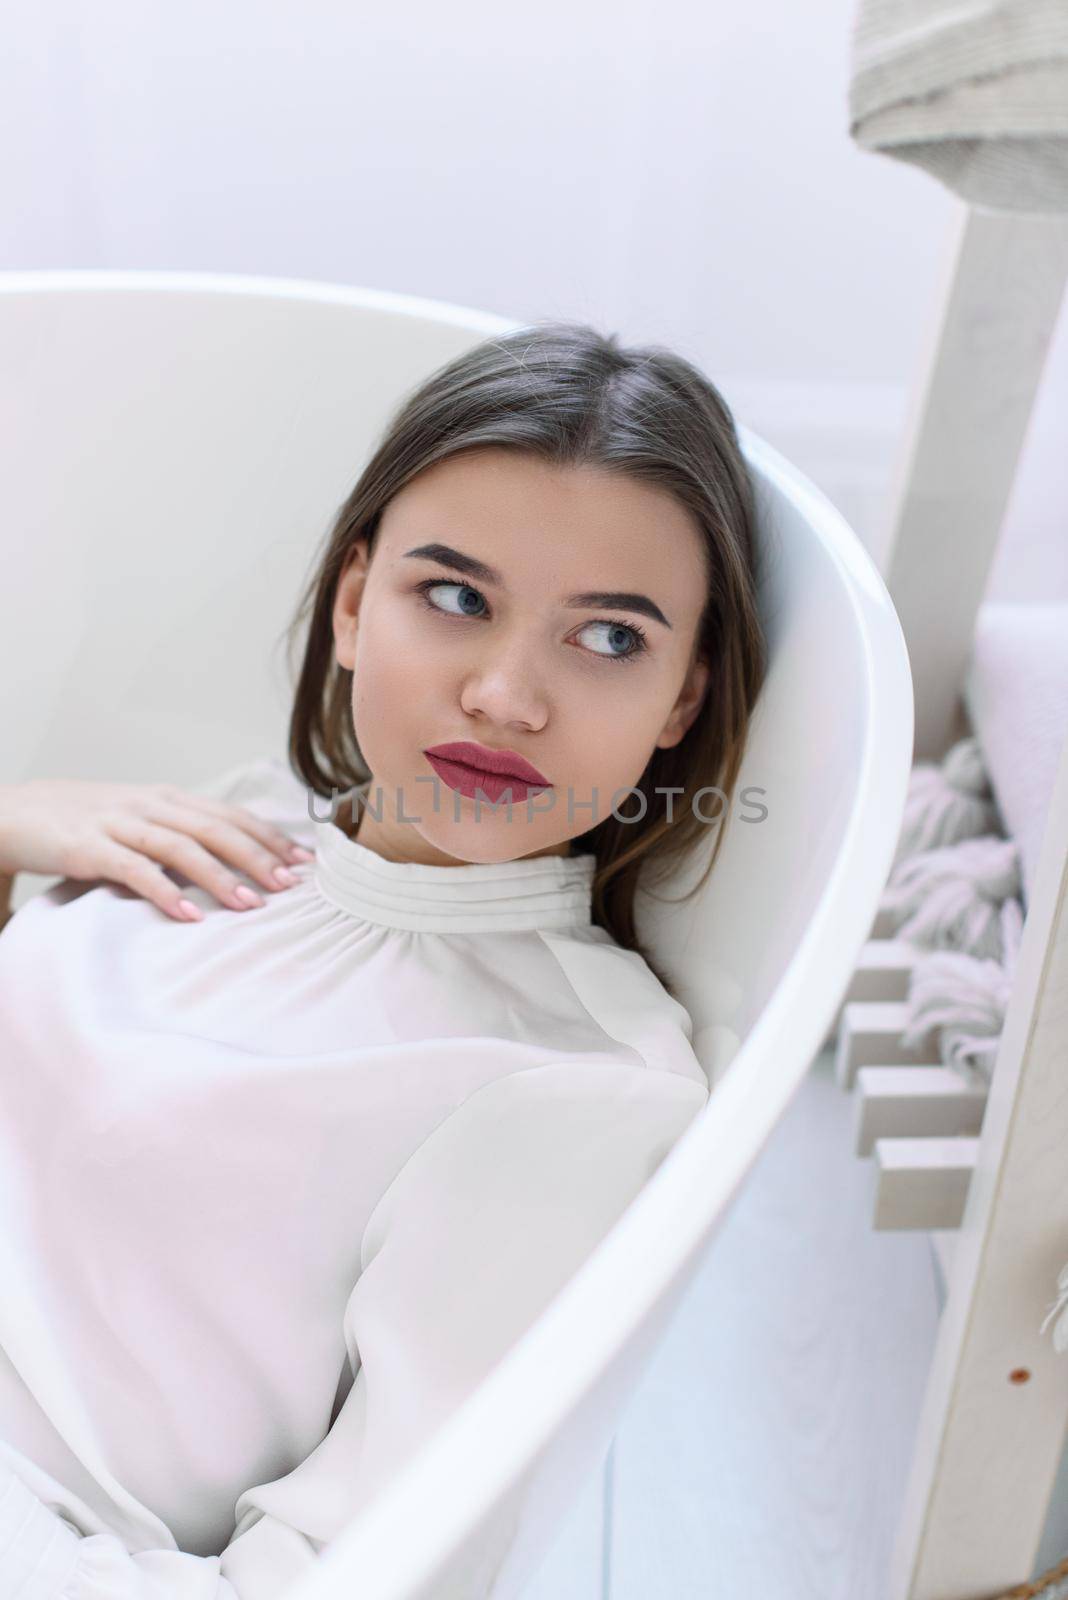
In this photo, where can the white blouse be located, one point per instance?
(279, 1187)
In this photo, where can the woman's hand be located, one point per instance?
(128, 833)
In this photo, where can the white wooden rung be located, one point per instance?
(870, 1036)
(881, 973)
(915, 1102)
(886, 963)
(922, 1183)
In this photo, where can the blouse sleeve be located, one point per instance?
(483, 1225)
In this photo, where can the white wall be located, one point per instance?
(668, 171)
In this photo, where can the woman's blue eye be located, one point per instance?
(617, 631)
(435, 583)
(635, 635)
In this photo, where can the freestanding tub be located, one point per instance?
(204, 428)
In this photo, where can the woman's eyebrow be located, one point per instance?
(611, 599)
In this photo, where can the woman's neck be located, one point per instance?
(400, 841)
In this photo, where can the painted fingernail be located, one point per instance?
(283, 876)
(188, 909)
(246, 896)
(297, 852)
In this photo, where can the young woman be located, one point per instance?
(283, 1176)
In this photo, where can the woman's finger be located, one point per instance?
(122, 865)
(178, 849)
(231, 840)
(273, 837)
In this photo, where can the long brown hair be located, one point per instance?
(571, 396)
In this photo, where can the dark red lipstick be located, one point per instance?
(467, 766)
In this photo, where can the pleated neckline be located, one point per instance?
(551, 892)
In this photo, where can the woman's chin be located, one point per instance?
(491, 841)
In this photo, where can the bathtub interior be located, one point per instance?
(808, 756)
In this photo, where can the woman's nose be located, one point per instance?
(508, 688)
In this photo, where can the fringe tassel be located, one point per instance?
(949, 802)
(965, 1000)
(950, 898)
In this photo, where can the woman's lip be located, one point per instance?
(471, 781)
(464, 754)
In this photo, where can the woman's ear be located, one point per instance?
(347, 597)
(686, 707)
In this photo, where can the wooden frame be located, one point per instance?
(1002, 287)
(995, 1413)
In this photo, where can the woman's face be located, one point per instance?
(477, 620)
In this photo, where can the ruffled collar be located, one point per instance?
(551, 892)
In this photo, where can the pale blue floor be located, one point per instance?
(766, 1448)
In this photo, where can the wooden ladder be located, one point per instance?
(985, 1172)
